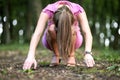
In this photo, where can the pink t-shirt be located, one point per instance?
(51, 8)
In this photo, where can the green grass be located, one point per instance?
(98, 53)
(106, 55)
(15, 47)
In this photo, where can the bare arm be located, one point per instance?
(86, 31)
(30, 60)
(37, 34)
(88, 38)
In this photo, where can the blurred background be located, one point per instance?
(18, 20)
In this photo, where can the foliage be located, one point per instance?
(29, 71)
(102, 12)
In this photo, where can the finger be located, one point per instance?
(85, 61)
(29, 65)
(89, 63)
(35, 65)
(24, 66)
(92, 63)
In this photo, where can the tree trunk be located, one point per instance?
(10, 20)
(37, 7)
(28, 29)
(6, 32)
(116, 44)
(32, 7)
(94, 18)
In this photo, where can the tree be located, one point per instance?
(6, 38)
(33, 6)
(115, 12)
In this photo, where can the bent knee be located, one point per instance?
(51, 28)
(51, 32)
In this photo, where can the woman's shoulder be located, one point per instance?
(76, 7)
(50, 7)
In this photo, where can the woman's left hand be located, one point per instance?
(89, 60)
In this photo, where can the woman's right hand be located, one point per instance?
(29, 62)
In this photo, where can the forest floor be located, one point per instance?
(11, 62)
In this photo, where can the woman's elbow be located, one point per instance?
(90, 36)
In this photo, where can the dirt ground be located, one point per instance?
(11, 69)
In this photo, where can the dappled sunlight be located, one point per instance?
(112, 38)
(97, 26)
(107, 36)
(4, 18)
(21, 39)
(114, 24)
(102, 38)
(14, 22)
(1, 28)
(107, 42)
(119, 31)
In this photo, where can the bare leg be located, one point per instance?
(51, 38)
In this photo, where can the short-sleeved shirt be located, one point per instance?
(51, 8)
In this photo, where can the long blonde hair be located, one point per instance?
(63, 20)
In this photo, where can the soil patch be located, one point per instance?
(11, 69)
